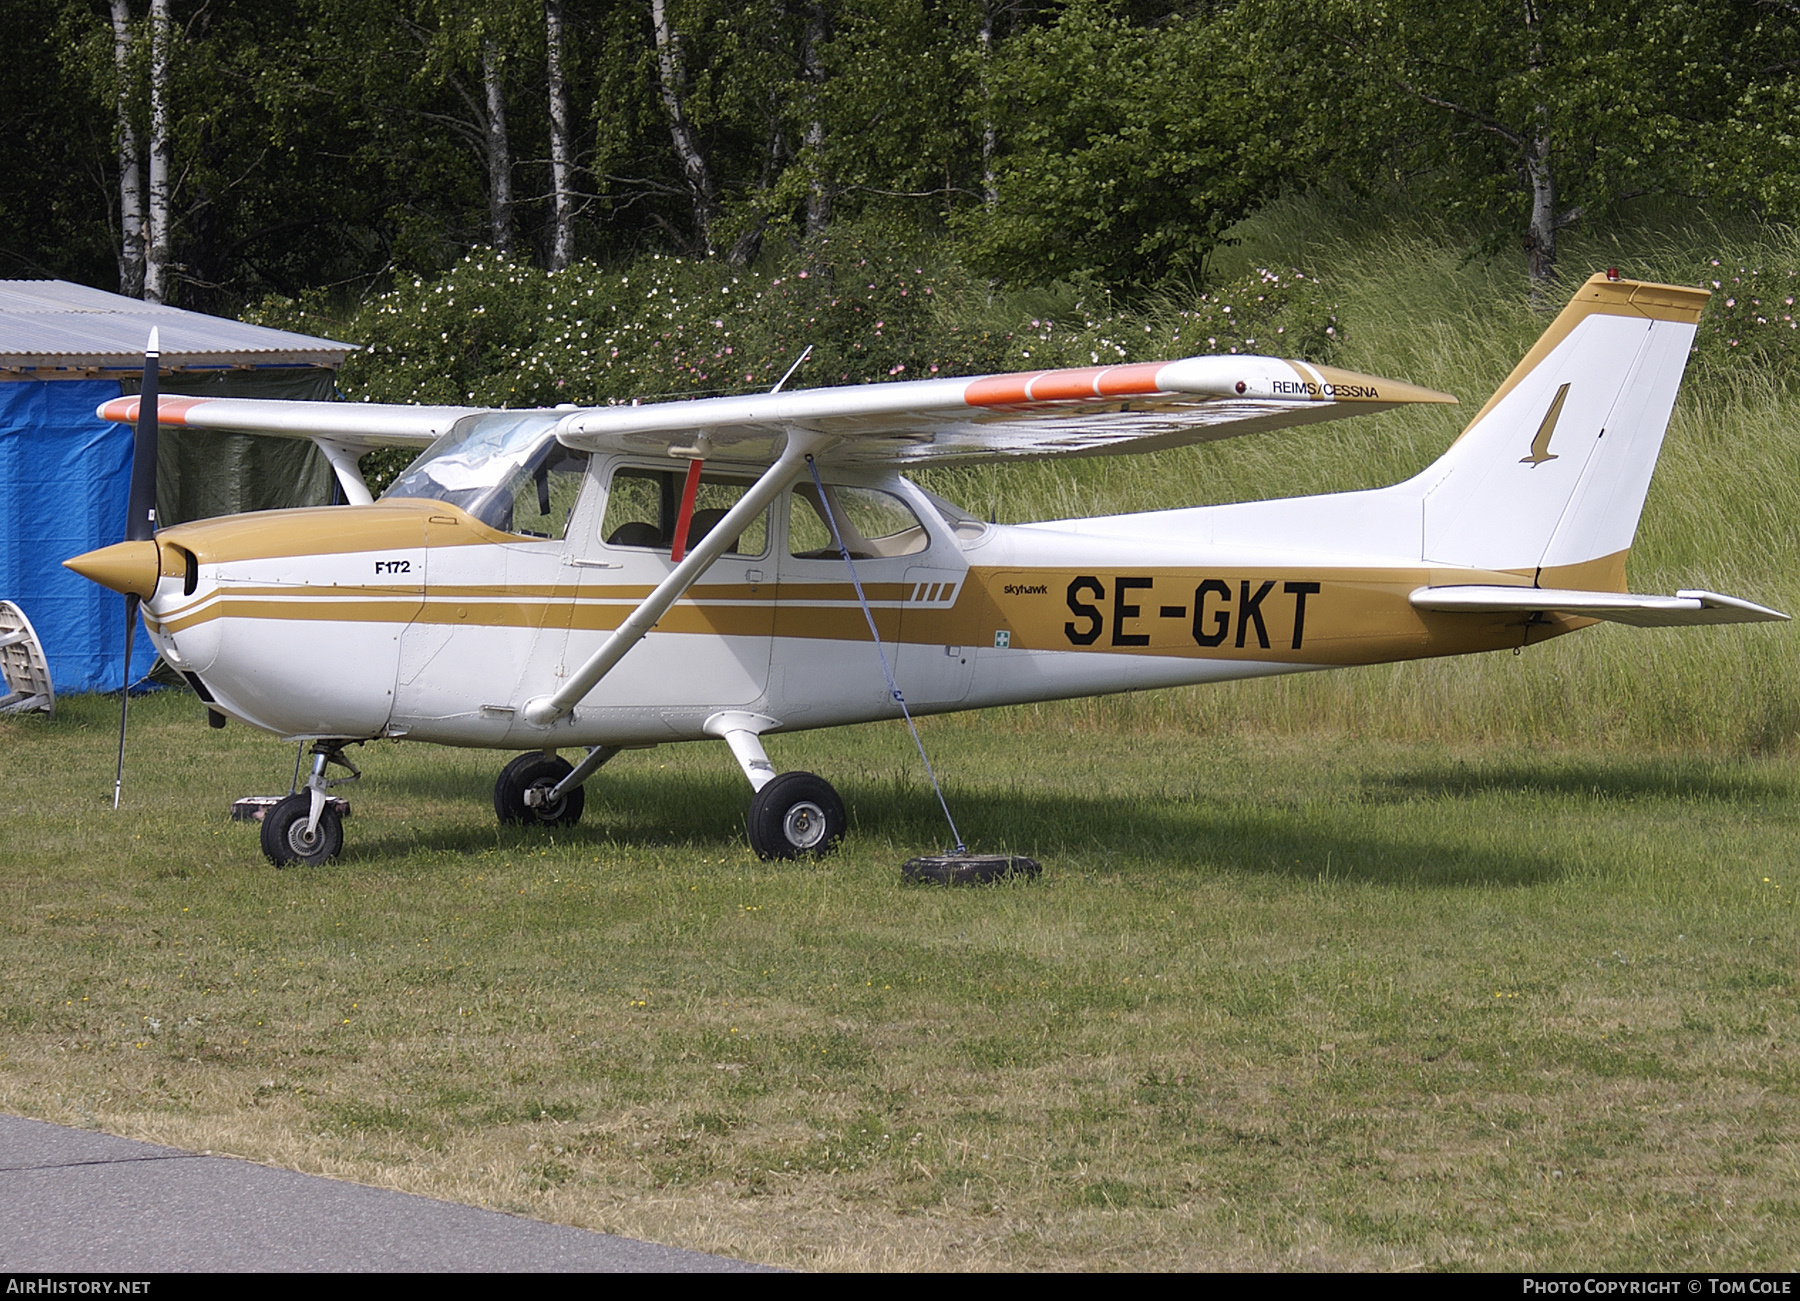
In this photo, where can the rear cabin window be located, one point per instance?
(642, 507)
(874, 524)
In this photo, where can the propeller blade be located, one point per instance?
(131, 617)
(140, 509)
(140, 523)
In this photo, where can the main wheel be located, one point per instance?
(537, 771)
(796, 813)
(285, 839)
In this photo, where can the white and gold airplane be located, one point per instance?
(497, 594)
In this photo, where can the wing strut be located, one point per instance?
(349, 474)
(545, 710)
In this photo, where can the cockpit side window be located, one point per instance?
(874, 524)
(544, 493)
(642, 507)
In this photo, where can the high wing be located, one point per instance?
(1092, 411)
(1095, 411)
(343, 431)
(363, 426)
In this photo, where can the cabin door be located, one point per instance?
(711, 650)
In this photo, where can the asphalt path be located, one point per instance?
(76, 1201)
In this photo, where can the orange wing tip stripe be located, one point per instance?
(1130, 381)
(169, 410)
(1001, 390)
(1078, 385)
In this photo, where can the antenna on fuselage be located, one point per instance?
(791, 369)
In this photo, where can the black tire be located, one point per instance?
(796, 814)
(284, 838)
(968, 869)
(536, 771)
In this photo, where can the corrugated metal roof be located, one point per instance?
(52, 325)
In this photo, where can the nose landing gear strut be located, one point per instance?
(308, 826)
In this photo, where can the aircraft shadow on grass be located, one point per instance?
(1626, 781)
(1086, 833)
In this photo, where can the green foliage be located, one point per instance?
(444, 340)
(496, 332)
(905, 100)
(1127, 151)
(1581, 108)
(345, 143)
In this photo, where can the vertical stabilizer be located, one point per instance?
(1552, 472)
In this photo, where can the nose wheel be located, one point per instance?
(290, 836)
(795, 815)
(307, 828)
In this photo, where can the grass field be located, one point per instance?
(1304, 1003)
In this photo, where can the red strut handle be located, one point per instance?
(684, 518)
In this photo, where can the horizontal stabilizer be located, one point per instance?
(1684, 609)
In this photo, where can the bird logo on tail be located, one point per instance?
(1540, 446)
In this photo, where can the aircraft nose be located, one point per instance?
(129, 567)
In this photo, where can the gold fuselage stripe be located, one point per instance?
(1286, 614)
(1297, 614)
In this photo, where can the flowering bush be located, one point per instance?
(496, 332)
(1752, 319)
(1270, 313)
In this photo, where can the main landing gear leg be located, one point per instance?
(306, 827)
(791, 815)
(542, 789)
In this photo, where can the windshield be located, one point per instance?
(480, 462)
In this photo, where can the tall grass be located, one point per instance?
(1418, 303)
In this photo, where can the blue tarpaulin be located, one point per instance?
(64, 474)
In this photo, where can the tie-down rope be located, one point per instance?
(893, 687)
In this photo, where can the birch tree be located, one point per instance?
(498, 147)
(818, 189)
(672, 87)
(158, 271)
(131, 163)
(562, 198)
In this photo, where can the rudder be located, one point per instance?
(1552, 472)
